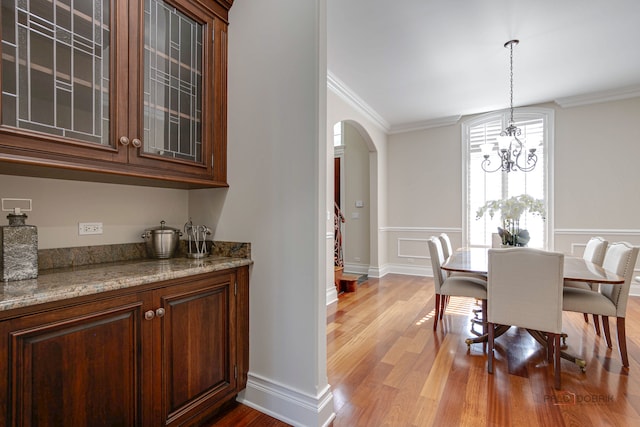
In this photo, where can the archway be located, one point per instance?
(354, 153)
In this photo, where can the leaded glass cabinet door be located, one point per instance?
(179, 72)
(127, 87)
(58, 80)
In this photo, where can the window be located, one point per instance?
(337, 135)
(481, 186)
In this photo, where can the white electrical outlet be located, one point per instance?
(89, 228)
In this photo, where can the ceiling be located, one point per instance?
(412, 62)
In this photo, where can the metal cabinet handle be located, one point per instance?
(124, 140)
(160, 312)
(148, 315)
(136, 142)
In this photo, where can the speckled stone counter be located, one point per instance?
(59, 284)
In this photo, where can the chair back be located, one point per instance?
(595, 250)
(621, 259)
(437, 258)
(524, 288)
(447, 249)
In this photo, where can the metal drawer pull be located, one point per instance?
(148, 315)
(160, 312)
(124, 140)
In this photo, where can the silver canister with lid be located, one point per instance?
(161, 241)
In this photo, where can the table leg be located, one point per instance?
(542, 339)
(498, 330)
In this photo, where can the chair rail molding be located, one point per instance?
(437, 230)
(598, 231)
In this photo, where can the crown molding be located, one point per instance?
(349, 96)
(596, 97)
(426, 124)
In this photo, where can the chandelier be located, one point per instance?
(511, 149)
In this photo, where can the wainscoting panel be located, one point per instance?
(413, 248)
(408, 249)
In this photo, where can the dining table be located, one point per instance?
(577, 269)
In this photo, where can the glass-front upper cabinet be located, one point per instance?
(134, 88)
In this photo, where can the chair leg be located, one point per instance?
(607, 331)
(556, 362)
(550, 352)
(435, 318)
(484, 317)
(596, 324)
(490, 338)
(443, 305)
(622, 342)
(484, 323)
(586, 317)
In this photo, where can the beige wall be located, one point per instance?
(124, 210)
(597, 154)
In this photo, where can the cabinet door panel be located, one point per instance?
(176, 119)
(82, 370)
(57, 77)
(198, 348)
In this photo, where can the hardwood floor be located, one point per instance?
(387, 367)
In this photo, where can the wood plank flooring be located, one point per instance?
(387, 367)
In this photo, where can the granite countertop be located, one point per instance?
(59, 284)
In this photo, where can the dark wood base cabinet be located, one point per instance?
(164, 355)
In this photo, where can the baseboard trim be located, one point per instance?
(409, 270)
(377, 272)
(356, 268)
(276, 400)
(332, 294)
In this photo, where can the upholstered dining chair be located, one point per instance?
(594, 252)
(524, 289)
(447, 248)
(462, 286)
(610, 300)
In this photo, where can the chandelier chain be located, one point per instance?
(511, 80)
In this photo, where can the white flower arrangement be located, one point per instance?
(511, 210)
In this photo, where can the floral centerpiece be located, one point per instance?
(511, 210)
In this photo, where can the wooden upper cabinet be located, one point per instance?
(117, 87)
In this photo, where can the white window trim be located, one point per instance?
(548, 115)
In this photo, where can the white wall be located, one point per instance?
(124, 210)
(595, 183)
(277, 167)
